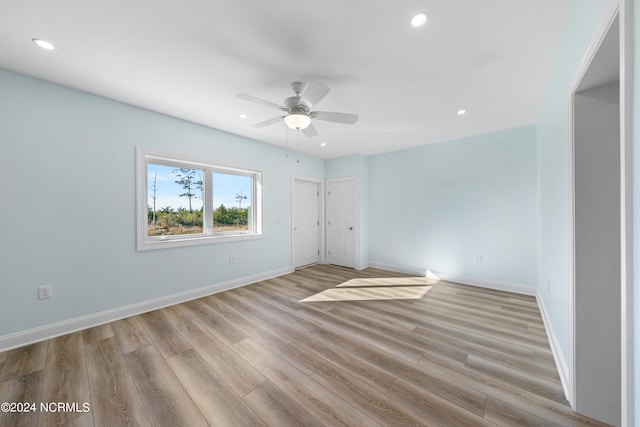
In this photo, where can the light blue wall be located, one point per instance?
(67, 174)
(553, 168)
(438, 206)
(355, 166)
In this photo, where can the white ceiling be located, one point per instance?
(189, 58)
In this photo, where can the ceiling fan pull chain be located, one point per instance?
(286, 137)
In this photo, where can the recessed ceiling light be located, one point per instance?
(43, 44)
(419, 19)
(462, 112)
(243, 116)
(323, 144)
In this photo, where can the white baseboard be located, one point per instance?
(362, 266)
(491, 284)
(53, 330)
(556, 350)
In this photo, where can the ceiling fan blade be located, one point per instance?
(314, 92)
(334, 117)
(260, 101)
(267, 122)
(310, 131)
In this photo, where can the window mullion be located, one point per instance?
(208, 201)
(257, 200)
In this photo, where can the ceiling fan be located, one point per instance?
(299, 108)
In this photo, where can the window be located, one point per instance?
(174, 194)
(183, 202)
(229, 189)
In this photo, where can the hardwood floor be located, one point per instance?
(446, 355)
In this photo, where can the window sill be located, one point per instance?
(180, 241)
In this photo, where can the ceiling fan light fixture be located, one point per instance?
(297, 121)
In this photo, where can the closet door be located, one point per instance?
(341, 227)
(306, 223)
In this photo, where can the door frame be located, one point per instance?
(622, 10)
(321, 209)
(356, 218)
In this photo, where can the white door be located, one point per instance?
(341, 223)
(306, 223)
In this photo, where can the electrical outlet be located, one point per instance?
(478, 257)
(232, 260)
(44, 292)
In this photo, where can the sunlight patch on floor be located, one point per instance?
(383, 288)
(368, 294)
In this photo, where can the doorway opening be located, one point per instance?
(596, 285)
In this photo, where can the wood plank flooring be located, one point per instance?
(448, 355)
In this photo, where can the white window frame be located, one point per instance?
(144, 242)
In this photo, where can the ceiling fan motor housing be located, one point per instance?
(297, 105)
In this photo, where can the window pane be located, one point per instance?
(232, 200)
(174, 200)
